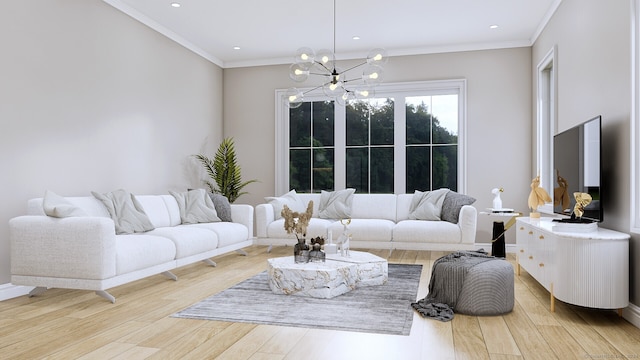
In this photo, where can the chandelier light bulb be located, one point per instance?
(377, 57)
(295, 97)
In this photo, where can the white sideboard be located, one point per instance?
(589, 269)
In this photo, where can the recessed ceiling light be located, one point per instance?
(175, 4)
(236, 48)
(493, 26)
(356, 37)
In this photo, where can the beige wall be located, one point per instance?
(593, 39)
(498, 120)
(91, 99)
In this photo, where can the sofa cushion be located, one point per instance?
(364, 229)
(56, 206)
(290, 199)
(427, 205)
(317, 227)
(336, 204)
(452, 204)
(195, 206)
(228, 232)
(142, 251)
(125, 211)
(222, 205)
(188, 240)
(420, 231)
(374, 206)
(155, 206)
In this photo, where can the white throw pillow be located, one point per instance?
(336, 204)
(427, 205)
(291, 199)
(56, 206)
(125, 211)
(195, 206)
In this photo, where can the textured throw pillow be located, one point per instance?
(290, 199)
(336, 204)
(195, 206)
(56, 206)
(427, 205)
(453, 202)
(125, 211)
(222, 205)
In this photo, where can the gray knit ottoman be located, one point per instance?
(488, 289)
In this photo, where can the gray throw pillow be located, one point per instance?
(453, 202)
(125, 211)
(427, 205)
(195, 206)
(55, 205)
(336, 204)
(222, 205)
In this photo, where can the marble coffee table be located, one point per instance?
(336, 276)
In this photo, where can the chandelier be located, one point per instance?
(335, 83)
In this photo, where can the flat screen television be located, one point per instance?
(577, 168)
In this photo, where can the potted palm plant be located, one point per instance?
(224, 170)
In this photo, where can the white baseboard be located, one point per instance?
(632, 314)
(10, 291)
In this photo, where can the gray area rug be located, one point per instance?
(384, 309)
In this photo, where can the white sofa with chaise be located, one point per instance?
(377, 221)
(84, 252)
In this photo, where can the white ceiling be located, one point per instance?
(270, 31)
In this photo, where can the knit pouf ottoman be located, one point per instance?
(488, 289)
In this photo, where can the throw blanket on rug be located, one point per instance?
(447, 278)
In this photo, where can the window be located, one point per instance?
(410, 137)
(546, 124)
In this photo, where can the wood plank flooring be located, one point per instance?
(71, 324)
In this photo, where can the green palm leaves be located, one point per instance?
(224, 171)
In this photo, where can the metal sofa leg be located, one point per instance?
(106, 295)
(170, 275)
(37, 291)
(210, 262)
(269, 249)
(242, 252)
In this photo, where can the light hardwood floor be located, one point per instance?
(69, 324)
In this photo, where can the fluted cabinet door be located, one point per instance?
(588, 269)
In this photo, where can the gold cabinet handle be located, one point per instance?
(521, 250)
(521, 227)
(530, 257)
(541, 264)
(530, 232)
(541, 237)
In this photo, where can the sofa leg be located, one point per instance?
(37, 291)
(242, 252)
(390, 252)
(269, 248)
(106, 295)
(170, 275)
(210, 262)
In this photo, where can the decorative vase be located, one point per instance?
(301, 252)
(317, 255)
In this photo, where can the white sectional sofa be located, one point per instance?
(377, 221)
(84, 252)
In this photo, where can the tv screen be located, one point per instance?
(576, 160)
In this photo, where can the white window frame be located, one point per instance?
(546, 123)
(391, 90)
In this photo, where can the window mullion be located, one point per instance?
(400, 145)
(340, 153)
